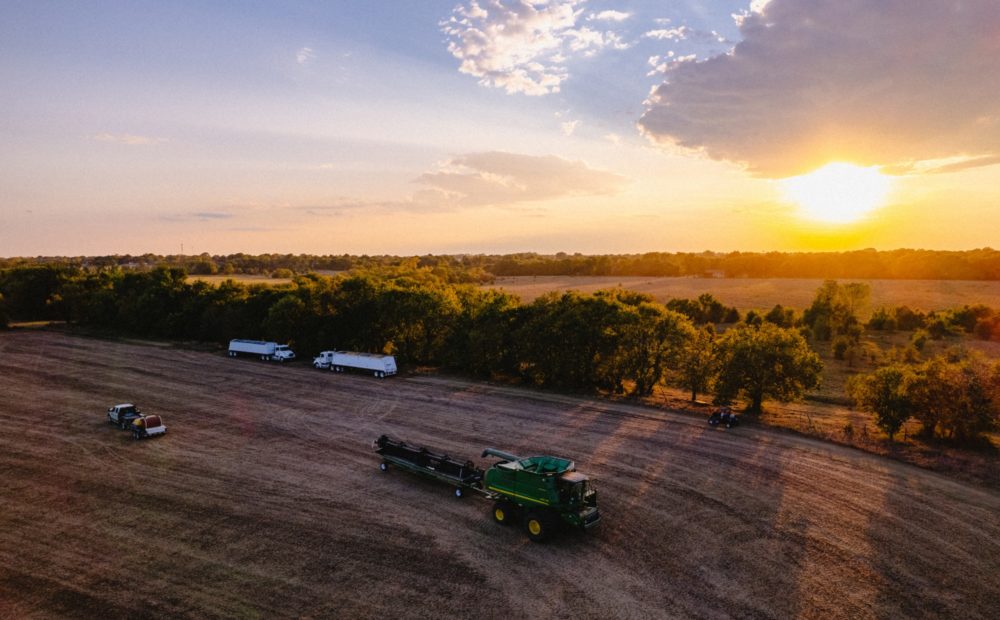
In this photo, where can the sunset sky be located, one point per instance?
(498, 126)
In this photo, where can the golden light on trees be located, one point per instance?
(838, 193)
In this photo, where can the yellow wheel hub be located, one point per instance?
(534, 527)
(498, 513)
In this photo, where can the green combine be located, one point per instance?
(541, 492)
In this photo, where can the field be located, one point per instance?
(763, 293)
(265, 500)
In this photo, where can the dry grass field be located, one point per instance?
(265, 500)
(241, 278)
(763, 293)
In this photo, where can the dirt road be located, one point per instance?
(265, 500)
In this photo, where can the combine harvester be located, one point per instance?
(542, 491)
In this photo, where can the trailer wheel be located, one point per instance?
(383, 466)
(502, 513)
(538, 526)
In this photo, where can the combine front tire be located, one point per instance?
(538, 525)
(502, 513)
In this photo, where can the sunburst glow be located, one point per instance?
(838, 193)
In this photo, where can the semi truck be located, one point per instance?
(267, 351)
(543, 493)
(378, 365)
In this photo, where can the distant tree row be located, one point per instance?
(618, 341)
(980, 264)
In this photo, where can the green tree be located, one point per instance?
(650, 339)
(835, 309)
(955, 400)
(696, 366)
(765, 361)
(886, 393)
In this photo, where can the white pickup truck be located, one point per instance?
(378, 365)
(123, 414)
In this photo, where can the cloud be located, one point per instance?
(201, 216)
(305, 55)
(127, 138)
(888, 83)
(492, 178)
(568, 127)
(609, 16)
(684, 33)
(500, 179)
(522, 45)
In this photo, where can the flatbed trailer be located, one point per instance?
(464, 476)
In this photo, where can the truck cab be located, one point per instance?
(122, 415)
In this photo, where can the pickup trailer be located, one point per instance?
(147, 426)
(122, 415)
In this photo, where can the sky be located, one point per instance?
(497, 126)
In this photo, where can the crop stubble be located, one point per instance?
(264, 499)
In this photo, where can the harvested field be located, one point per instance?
(265, 500)
(763, 293)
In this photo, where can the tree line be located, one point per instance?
(979, 264)
(616, 341)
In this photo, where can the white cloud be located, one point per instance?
(875, 83)
(683, 33)
(501, 179)
(609, 16)
(129, 139)
(304, 55)
(522, 45)
(670, 34)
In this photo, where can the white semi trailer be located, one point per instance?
(265, 350)
(380, 366)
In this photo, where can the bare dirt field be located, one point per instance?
(265, 500)
(764, 293)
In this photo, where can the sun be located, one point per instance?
(838, 193)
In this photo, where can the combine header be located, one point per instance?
(540, 491)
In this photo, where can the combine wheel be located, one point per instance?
(383, 466)
(538, 525)
(503, 513)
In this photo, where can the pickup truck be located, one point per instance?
(122, 415)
